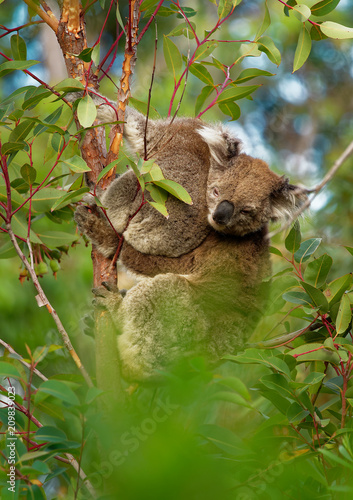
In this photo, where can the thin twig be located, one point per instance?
(21, 360)
(346, 153)
(70, 458)
(42, 300)
(149, 94)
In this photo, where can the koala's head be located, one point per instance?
(247, 195)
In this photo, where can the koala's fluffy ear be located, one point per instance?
(286, 199)
(223, 146)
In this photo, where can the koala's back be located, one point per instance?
(184, 158)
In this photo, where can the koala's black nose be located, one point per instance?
(223, 213)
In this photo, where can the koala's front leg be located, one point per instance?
(92, 222)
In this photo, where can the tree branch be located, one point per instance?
(48, 17)
(338, 163)
(42, 300)
(70, 457)
(116, 133)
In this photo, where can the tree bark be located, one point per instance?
(71, 36)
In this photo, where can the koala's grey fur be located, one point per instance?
(206, 261)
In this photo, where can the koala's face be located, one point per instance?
(247, 195)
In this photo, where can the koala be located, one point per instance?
(145, 229)
(203, 267)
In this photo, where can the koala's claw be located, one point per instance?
(100, 291)
(110, 287)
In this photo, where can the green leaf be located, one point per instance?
(260, 357)
(235, 93)
(70, 197)
(307, 248)
(303, 48)
(297, 298)
(183, 29)
(223, 438)
(296, 413)
(324, 7)
(277, 382)
(9, 66)
(336, 288)
(265, 23)
(201, 98)
(119, 19)
(50, 434)
(142, 107)
(236, 384)
(302, 12)
(172, 56)
(92, 394)
(333, 30)
(350, 250)
(76, 164)
(266, 45)
(154, 173)
(344, 315)
(230, 397)
(20, 228)
(314, 352)
(16, 93)
(16, 198)
(160, 208)
(42, 200)
(201, 73)
(106, 169)
(316, 296)
(18, 48)
(12, 147)
(293, 240)
(86, 54)
(175, 189)
(281, 403)
(231, 109)
(21, 131)
(54, 239)
(59, 390)
(226, 6)
(36, 97)
(32, 455)
(250, 73)
(28, 173)
(69, 85)
(158, 195)
(86, 111)
(317, 270)
(316, 33)
(146, 4)
(8, 370)
(205, 50)
(57, 142)
(275, 251)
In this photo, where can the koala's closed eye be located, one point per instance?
(248, 210)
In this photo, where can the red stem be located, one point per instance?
(149, 21)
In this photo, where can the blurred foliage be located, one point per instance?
(266, 424)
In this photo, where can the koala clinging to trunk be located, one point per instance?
(205, 262)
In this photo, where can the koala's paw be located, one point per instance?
(107, 296)
(86, 220)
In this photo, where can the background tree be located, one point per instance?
(216, 60)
